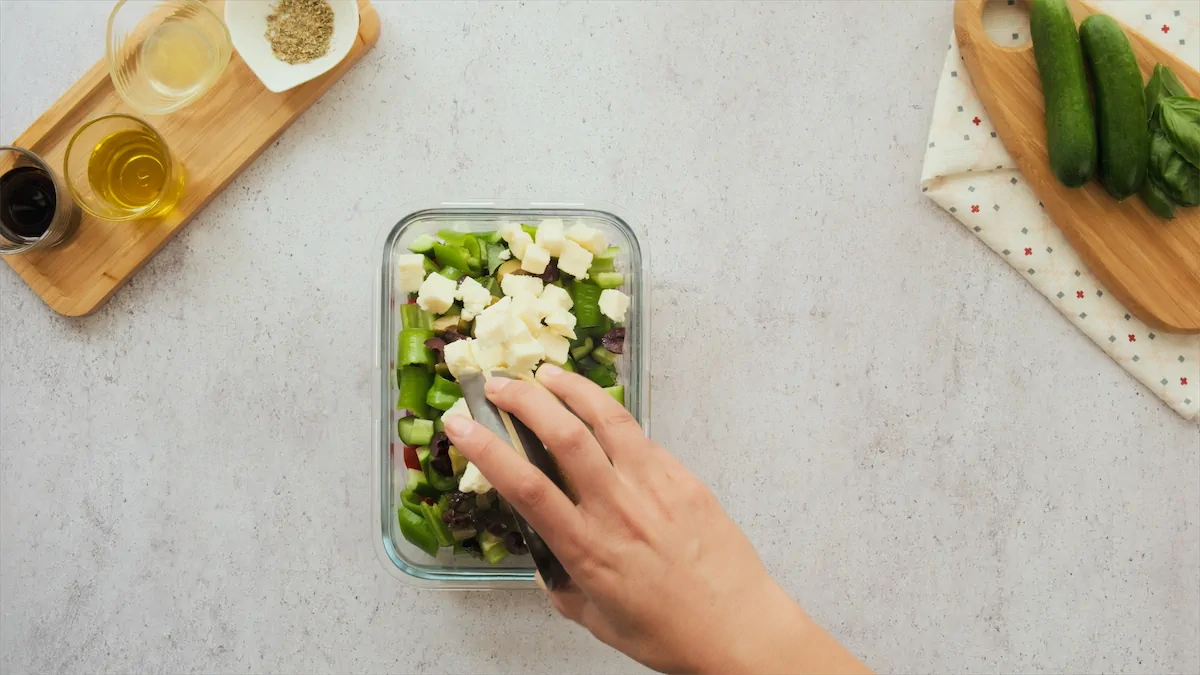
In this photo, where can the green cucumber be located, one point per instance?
(422, 244)
(617, 392)
(603, 356)
(1070, 126)
(1120, 105)
(609, 279)
(414, 430)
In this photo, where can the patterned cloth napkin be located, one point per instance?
(969, 173)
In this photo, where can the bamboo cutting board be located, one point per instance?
(1151, 265)
(216, 138)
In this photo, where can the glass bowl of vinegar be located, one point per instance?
(164, 54)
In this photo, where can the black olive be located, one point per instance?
(442, 465)
(515, 543)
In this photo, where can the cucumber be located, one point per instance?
(1070, 127)
(414, 431)
(1120, 105)
(422, 244)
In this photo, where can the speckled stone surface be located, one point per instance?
(937, 465)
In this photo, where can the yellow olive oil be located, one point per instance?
(131, 170)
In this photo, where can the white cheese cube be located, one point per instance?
(528, 309)
(561, 322)
(410, 272)
(516, 332)
(523, 357)
(550, 236)
(489, 324)
(520, 241)
(436, 293)
(557, 347)
(588, 237)
(508, 231)
(535, 260)
(460, 406)
(613, 304)
(505, 254)
(489, 355)
(575, 260)
(556, 296)
(473, 481)
(474, 296)
(460, 358)
(515, 285)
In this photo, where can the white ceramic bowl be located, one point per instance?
(247, 23)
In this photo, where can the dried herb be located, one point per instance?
(299, 30)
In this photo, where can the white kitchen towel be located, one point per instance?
(968, 172)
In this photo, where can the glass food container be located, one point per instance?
(447, 571)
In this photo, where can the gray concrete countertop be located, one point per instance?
(942, 470)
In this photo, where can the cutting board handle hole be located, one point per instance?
(1006, 22)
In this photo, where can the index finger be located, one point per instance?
(618, 432)
(539, 501)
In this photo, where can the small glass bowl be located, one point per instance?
(164, 54)
(66, 212)
(78, 159)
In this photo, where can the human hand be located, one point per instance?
(658, 570)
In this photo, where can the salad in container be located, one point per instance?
(465, 288)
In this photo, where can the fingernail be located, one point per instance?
(457, 426)
(496, 384)
(549, 370)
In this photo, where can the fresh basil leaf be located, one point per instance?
(1162, 84)
(1156, 199)
(1180, 117)
(1175, 175)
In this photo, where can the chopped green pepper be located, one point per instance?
(453, 237)
(414, 382)
(452, 256)
(416, 530)
(411, 500)
(617, 392)
(412, 316)
(583, 348)
(493, 547)
(433, 516)
(411, 349)
(443, 393)
(603, 356)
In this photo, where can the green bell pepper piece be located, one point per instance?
(414, 382)
(443, 393)
(416, 530)
(411, 349)
(433, 516)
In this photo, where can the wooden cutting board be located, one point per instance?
(1151, 265)
(216, 138)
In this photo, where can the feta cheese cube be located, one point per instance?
(575, 260)
(515, 285)
(520, 241)
(473, 481)
(489, 324)
(410, 272)
(613, 304)
(556, 296)
(460, 406)
(527, 308)
(489, 355)
(557, 347)
(524, 356)
(436, 293)
(460, 358)
(535, 259)
(508, 231)
(474, 296)
(505, 254)
(550, 236)
(516, 332)
(561, 322)
(588, 237)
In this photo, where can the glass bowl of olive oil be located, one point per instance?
(164, 54)
(117, 167)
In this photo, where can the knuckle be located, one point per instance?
(531, 491)
(574, 437)
(620, 420)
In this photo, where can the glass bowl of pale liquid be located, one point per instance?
(164, 54)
